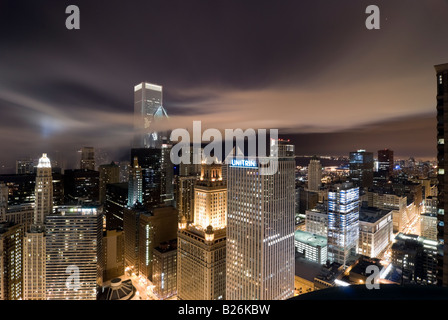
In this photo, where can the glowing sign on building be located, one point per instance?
(244, 163)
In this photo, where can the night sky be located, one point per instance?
(308, 68)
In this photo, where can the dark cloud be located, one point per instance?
(309, 68)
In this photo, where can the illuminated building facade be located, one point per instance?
(317, 221)
(313, 247)
(74, 237)
(343, 222)
(34, 264)
(260, 229)
(375, 231)
(202, 244)
(442, 177)
(11, 272)
(43, 191)
(135, 191)
(34, 249)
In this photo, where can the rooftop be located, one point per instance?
(371, 214)
(310, 238)
(307, 269)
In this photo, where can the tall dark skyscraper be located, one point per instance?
(361, 168)
(385, 162)
(442, 129)
(157, 174)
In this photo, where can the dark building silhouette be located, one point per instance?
(385, 162)
(116, 201)
(361, 168)
(81, 186)
(442, 207)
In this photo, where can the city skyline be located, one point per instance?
(67, 90)
(240, 150)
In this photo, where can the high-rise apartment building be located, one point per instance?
(260, 227)
(202, 242)
(314, 174)
(442, 177)
(343, 222)
(74, 245)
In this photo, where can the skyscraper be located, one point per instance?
(314, 174)
(385, 162)
(74, 243)
(155, 226)
(109, 173)
(116, 202)
(135, 184)
(43, 190)
(202, 244)
(260, 229)
(11, 267)
(3, 201)
(148, 107)
(34, 249)
(343, 222)
(361, 168)
(442, 177)
(165, 269)
(185, 196)
(157, 174)
(87, 158)
(34, 264)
